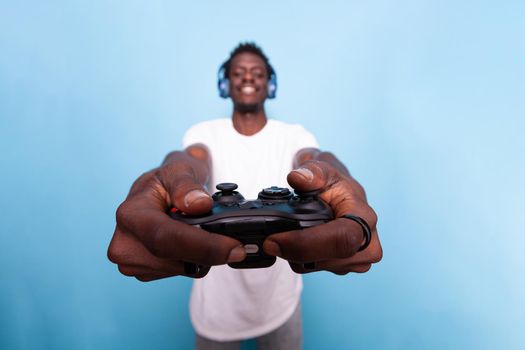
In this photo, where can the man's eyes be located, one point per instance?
(256, 73)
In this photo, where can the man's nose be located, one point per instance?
(248, 76)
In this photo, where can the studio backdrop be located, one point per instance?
(422, 100)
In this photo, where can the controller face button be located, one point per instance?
(251, 248)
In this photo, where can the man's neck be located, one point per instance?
(249, 123)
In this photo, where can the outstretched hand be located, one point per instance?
(333, 246)
(148, 244)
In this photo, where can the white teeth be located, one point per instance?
(248, 90)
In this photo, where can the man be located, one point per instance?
(229, 304)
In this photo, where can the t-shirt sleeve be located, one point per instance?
(304, 139)
(195, 134)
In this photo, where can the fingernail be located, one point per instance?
(237, 254)
(271, 248)
(306, 173)
(194, 196)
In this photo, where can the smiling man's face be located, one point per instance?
(248, 81)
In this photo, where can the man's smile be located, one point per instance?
(248, 89)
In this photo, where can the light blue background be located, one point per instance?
(423, 100)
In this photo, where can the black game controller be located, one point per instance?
(275, 210)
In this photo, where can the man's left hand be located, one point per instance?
(333, 246)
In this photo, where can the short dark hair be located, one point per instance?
(250, 47)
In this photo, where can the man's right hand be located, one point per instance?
(148, 244)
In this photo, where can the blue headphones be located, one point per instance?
(224, 83)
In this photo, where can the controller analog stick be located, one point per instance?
(227, 193)
(227, 187)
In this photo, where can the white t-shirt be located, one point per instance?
(232, 304)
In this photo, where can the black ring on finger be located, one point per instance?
(367, 233)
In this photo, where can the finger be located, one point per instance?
(335, 187)
(339, 190)
(371, 255)
(185, 190)
(339, 238)
(175, 240)
(133, 258)
(360, 262)
(312, 176)
(134, 271)
(347, 269)
(339, 267)
(152, 276)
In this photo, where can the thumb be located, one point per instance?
(312, 175)
(193, 199)
(186, 193)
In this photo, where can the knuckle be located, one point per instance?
(377, 256)
(371, 217)
(123, 214)
(115, 254)
(174, 171)
(126, 270)
(143, 182)
(362, 268)
(145, 278)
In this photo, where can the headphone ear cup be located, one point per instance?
(272, 86)
(224, 88)
(223, 83)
